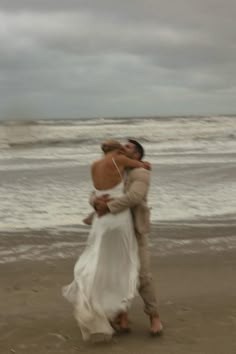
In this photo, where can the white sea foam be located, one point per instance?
(158, 246)
(40, 252)
(162, 247)
(45, 175)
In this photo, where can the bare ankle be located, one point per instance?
(124, 319)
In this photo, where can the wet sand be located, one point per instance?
(197, 301)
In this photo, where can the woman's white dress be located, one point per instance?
(106, 273)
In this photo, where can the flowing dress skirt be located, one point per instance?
(106, 273)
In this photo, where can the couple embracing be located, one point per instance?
(115, 263)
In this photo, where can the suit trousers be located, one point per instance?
(146, 286)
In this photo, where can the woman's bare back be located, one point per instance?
(108, 171)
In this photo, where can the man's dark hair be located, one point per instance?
(138, 148)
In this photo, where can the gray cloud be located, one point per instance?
(86, 58)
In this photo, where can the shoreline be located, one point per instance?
(165, 239)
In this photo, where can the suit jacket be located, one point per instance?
(136, 189)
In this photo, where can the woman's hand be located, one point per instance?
(147, 165)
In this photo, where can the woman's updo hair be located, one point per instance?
(110, 145)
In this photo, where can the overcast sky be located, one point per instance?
(96, 58)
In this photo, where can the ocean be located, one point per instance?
(45, 169)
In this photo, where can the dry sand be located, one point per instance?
(197, 300)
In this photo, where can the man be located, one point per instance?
(136, 189)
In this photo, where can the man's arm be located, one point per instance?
(135, 195)
(93, 199)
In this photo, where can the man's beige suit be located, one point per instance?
(137, 184)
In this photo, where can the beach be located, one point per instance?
(45, 186)
(196, 294)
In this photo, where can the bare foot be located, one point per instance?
(89, 219)
(123, 319)
(123, 322)
(156, 326)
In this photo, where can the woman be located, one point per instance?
(106, 274)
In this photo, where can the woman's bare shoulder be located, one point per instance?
(96, 162)
(104, 161)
